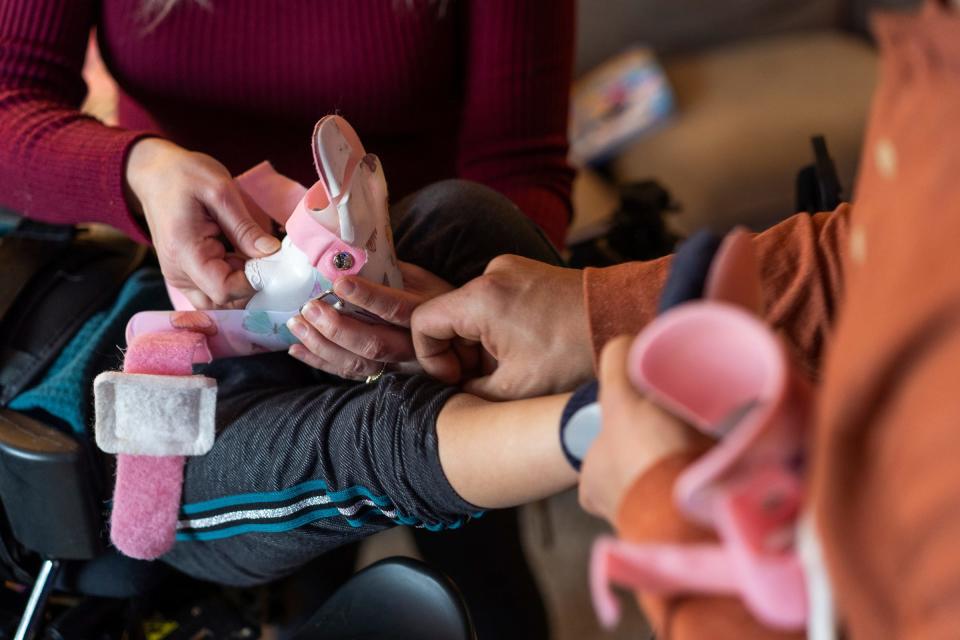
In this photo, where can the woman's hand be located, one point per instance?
(189, 201)
(354, 349)
(636, 434)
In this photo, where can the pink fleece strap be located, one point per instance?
(170, 353)
(146, 501)
(146, 496)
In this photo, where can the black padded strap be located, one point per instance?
(24, 253)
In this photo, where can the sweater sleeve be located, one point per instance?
(802, 278)
(56, 164)
(647, 514)
(513, 137)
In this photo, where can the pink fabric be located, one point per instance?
(146, 500)
(146, 496)
(169, 353)
(276, 194)
(664, 569)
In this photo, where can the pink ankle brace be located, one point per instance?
(719, 368)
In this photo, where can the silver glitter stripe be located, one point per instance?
(279, 512)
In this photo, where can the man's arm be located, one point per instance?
(801, 274)
(525, 329)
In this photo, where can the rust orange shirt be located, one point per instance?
(869, 297)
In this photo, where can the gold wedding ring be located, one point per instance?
(377, 375)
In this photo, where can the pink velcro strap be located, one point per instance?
(146, 501)
(146, 496)
(275, 193)
(170, 353)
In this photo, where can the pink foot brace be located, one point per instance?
(714, 364)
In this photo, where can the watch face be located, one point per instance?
(580, 431)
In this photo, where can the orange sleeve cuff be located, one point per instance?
(622, 299)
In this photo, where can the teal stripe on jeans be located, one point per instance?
(270, 527)
(307, 518)
(282, 495)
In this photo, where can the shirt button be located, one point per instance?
(885, 157)
(858, 244)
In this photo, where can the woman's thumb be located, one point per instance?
(238, 224)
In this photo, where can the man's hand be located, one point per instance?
(354, 349)
(189, 200)
(636, 434)
(519, 330)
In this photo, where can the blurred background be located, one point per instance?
(750, 82)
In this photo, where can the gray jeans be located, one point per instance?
(305, 462)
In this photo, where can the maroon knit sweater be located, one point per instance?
(473, 89)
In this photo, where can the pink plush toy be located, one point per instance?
(156, 412)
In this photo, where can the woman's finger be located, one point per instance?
(226, 206)
(378, 343)
(197, 298)
(305, 356)
(333, 358)
(204, 263)
(469, 353)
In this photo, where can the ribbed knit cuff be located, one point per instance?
(118, 213)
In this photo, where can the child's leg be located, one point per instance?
(305, 462)
(300, 467)
(501, 454)
(454, 228)
(297, 472)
